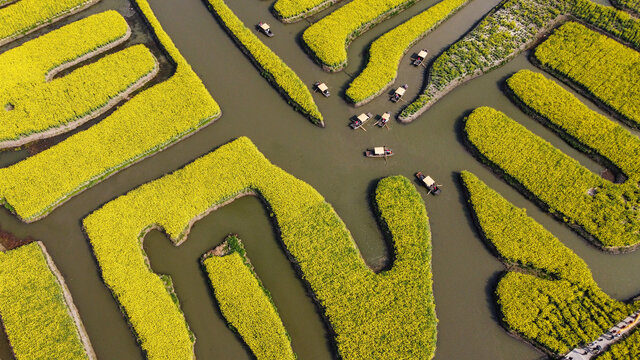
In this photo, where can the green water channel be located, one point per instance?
(331, 161)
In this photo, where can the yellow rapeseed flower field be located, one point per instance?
(272, 66)
(27, 15)
(571, 191)
(328, 39)
(34, 312)
(603, 67)
(152, 120)
(390, 315)
(32, 106)
(552, 300)
(387, 51)
(245, 303)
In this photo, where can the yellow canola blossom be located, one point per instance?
(154, 119)
(245, 303)
(272, 67)
(390, 315)
(552, 299)
(294, 10)
(387, 51)
(327, 40)
(607, 211)
(33, 308)
(603, 67)
(27, 15)
(34, 107)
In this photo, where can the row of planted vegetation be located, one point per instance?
(386, 315)
(35, 107)
(28, 15)
(387, 51)
(598, 65)
(549, 296)
(245, 303)
(509, 29)
(327, 40)
(37, 313)
(271, 66)
(294, 10)
(605, 212)
(152, 120)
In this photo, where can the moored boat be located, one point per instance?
(322, 87)
(379, 152)
(429, 183)
(384, 119)
(265, 28)
(397, 95)
(360, 120)
(420, 57)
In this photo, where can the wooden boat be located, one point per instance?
(265, 28)
(384, 119)
(397, 95)
(322, 87)
(429, 183)
(420, 58)
(360, 120)
(378, 152)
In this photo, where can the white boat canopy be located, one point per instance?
(422, 54)
(428, 181)
(265, 26)
(363, 117)
(386, 116)
(400, 91)
(323, 87)
(378, 150)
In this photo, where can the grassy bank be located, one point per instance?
(509, 29)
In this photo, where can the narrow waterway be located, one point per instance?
(331, 161)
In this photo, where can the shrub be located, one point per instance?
(151, 121)
(570, 117)
(389, 315)
(245, 303)
(601, 66)
(387, 51)
(28, 15)
(36, 307)
(42, 107)
(509, 29)
(606, 211)
(327, 40)
(555, 303)
(270, 65)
